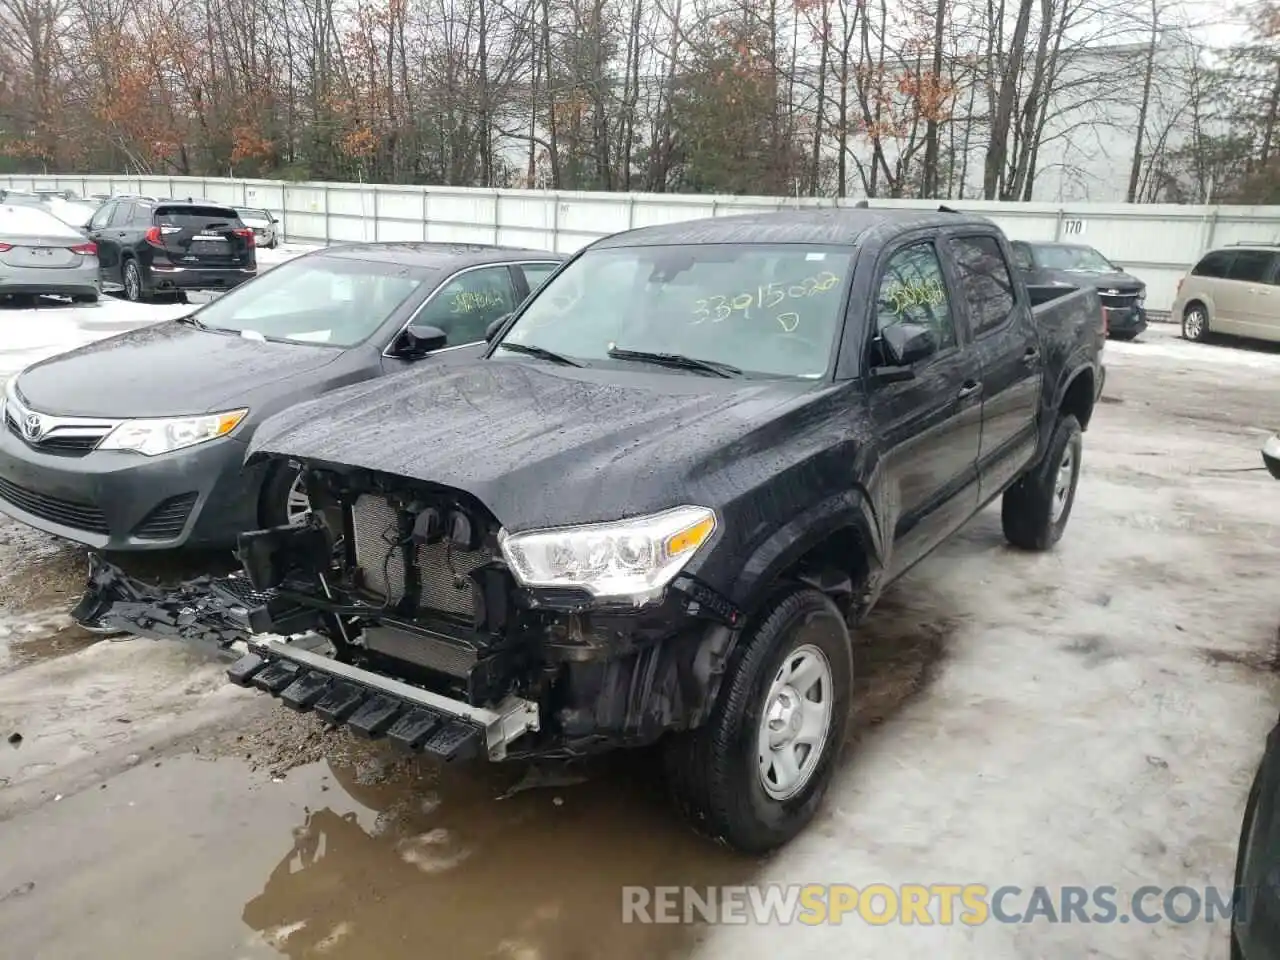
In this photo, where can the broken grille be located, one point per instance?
(444, 583)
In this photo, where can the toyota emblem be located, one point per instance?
(32, 426)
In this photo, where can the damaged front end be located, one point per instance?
(394, 611)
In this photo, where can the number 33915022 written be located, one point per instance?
(720, 308)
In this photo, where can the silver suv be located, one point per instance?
(1234, 289)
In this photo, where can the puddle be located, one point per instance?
(447, 869)
(331, 862)
(40, 580)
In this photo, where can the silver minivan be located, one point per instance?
(1233, 289)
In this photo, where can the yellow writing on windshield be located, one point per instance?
(717, 309)
(467, 301)
(915, 293)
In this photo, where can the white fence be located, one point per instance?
(1157, 243)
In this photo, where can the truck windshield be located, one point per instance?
(1083, 259)
(766, 310)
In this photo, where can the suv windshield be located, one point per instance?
(1084, 259)
(247, 213)
(766, 310)
(316, 299)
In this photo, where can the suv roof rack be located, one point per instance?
(1253, 243)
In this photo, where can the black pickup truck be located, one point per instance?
(657, 505)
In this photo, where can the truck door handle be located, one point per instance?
(969, 389)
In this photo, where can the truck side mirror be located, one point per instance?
(419, 340)
(492, 329)
(908, 343)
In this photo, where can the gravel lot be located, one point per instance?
(1090, 717)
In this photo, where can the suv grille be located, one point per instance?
(1118, 301)
(442, 566)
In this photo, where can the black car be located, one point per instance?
(137, 441)
(148, 247)
(656, 505)
(1255, 926)
(1074, 265)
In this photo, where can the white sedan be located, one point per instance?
(265, 226)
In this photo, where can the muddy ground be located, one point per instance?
(1091, 716)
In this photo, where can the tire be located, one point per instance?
(715, 773)
(132, 277)
(274, 509)
(1195, 323)
(1246, 827)
(85, 298)
(1035, 510)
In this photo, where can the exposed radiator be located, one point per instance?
(381, 563)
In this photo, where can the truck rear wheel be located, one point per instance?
(755, 773)
(1035, 510)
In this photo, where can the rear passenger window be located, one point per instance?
(122, 214)
(1215, 264)
(913, 290)
(984, 280)
(1252, 266)
(102, 216)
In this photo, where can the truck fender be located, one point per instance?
(1071, 394)
(848, 514)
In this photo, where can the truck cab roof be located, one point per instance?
(824, 225)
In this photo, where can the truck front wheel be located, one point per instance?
(755, 773)
(1035, 510)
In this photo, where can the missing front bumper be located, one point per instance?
(228, 614)
(373, 706)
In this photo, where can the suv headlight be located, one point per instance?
(632, 558)
(165, 434)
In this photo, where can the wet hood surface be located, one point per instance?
(167, 369)
(543, 446)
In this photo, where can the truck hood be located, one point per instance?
(546, 446)
(168, 369)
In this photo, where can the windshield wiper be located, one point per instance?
(542, 353)
(677, 360)
(193, 321)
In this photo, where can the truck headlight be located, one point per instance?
(152, 437)
(633, 558)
